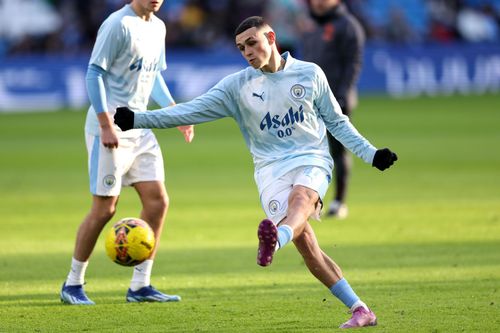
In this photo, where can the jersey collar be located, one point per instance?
(288, 62)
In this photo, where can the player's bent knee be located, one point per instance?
(166, 201)
(158, 204)
(103, 209)
(305, 194)
(302, 200)
(104, 215)
(163, 202)
(298, 198)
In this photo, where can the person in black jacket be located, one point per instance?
(336, 45)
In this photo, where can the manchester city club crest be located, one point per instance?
(274, 206)
(109, 181)
(298, 91)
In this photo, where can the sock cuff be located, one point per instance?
(285, 235)
(142, 275)
(338, 286)
(76, 274)
(343, 291)
(144, 267)
(78, 263)
(358, 304)
(287, 229)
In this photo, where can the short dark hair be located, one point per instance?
(250, 22)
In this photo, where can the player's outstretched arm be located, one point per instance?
(384, 158)
(200, 110)
(341, 128)
(217, 103)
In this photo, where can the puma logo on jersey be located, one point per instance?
(261, 96)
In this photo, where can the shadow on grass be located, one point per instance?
(484, 290)
(224, 291)
(241, 260)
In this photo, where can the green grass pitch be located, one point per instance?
(421, 244)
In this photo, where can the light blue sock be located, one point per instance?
(285, 235)
(343, 291)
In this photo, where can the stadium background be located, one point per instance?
(414, 47)
(422, 242)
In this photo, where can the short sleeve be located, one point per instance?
(109, 42)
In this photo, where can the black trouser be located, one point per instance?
(342, 164)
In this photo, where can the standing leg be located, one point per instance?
(155, 202)
(330, 274)
(102, 210)
(318, 263)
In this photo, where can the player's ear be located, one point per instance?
(271, 37)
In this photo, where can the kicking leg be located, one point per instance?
(301, 204)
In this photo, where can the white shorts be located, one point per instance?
(275, 193)
(135, 160)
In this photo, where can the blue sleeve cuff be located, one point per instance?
(161, 93)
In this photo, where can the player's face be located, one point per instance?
(255, 46)
(320, 7)
(151, 6)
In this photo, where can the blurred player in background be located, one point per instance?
(124, 69)
(283, 107)
(336, 45)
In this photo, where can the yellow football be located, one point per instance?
(130, 241)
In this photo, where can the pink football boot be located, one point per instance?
(268, 236)
(360, 317)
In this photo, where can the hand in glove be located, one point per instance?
(124, 118)
(384, 158)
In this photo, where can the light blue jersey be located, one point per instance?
(283, 117)
(132, 52)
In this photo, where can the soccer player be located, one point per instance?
(283, 107)
(336, 45)
(124, 69)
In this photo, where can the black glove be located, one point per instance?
(384, 158)
(124, 118)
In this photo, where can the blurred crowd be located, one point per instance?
(70, 26)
